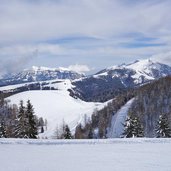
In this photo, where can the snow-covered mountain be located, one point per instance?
(139, 72)
(101, 86)
(113, 79)
(39, 74)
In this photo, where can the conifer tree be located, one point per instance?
(42, 129)
(90, 134)
(67, 133)
(133, 128)
(162, 129)
(128, 127)
(2, 130)
(22, 123)
(32, 126)
(138, 128)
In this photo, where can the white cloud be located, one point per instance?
(79, 68)
(26, 25)
(36, 21)
(163, 58)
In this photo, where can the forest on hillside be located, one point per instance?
(151, 101)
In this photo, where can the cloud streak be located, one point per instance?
(79, 68)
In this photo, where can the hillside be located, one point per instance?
(56, 106)
(152, 100)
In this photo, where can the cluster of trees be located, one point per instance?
(26, 122)
(19, 122)
(63, 132)
(134, 128)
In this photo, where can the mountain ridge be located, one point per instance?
(99, 87)
(114, 79)
(39, 74)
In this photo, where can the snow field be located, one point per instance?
(85, 155)
(57, 106)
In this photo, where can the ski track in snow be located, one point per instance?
(118, 119)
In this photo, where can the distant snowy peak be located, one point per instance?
(140, 71)
(148, 66)
(39, 74)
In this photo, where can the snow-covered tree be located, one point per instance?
(21, 129)
(128, 127)
(162, 129)
(26, 126)
(132, 128)
(32, 127)
(138, 128)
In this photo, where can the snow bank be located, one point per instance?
(18, 141)
(85, 155)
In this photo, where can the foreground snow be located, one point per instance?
(85, 155)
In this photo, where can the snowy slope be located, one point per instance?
(85, 155)
(57, 105)
(118, 119)
(66, 83)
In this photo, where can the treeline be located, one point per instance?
(153, 100)
(19, 122)
(98, 125)
(27, 87)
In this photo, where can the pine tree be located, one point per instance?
(138, 128)
(128, 127)
(90, 134)
(67, 133)
(32, 127)
(132, 128)
(2, 130)
(22, 123)
(42, 129)
(162, 129)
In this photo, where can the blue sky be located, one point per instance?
(91, 34)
